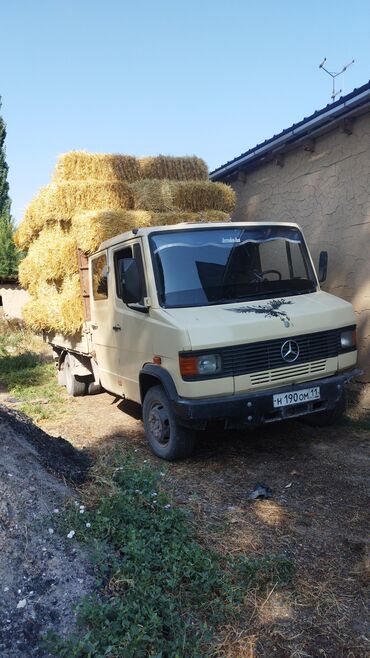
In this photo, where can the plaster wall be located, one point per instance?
(13, 299)
(327, 192)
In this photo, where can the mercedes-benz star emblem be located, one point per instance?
(290, 351)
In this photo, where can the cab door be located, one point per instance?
(132, 322)
(104, 337)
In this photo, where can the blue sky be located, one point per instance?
(210, 78)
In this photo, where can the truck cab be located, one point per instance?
(217, 322)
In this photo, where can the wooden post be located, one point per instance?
(83, 270)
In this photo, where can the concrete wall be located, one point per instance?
(13, 299)
(327, 192)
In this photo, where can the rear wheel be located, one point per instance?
(93, 389)
(75, 387)
(166, 437)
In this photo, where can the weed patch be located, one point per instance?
(28, 378)
(159, 593)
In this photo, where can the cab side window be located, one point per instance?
(99, 273)
(129, 274)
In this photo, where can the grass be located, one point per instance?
(159, 593)
(27, 376)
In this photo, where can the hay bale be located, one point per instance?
(31, 223)
(153, 194)
(174, 168)
(195, 196)
(71, 306)
(42, 312)
(58, 203)
(177, 217)
(64, 200)
(189, 196)
(52, 256)
(104, 167)
(52, 310)
(90, 229)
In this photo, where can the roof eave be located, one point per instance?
(324, 122)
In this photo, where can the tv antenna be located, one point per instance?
(334, 75)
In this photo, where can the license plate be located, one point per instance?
(296, 397)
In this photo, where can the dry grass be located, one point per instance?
(103, 167)
(174, 168)
(52, 256)
(92, 228)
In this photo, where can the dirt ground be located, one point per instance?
(318, 517)
(41, 574)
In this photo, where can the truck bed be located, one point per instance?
(80, 343)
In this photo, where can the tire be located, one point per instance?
(94, 389)
(327, 418)
(166, 437)
(75, 387)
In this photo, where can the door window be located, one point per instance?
(99, 271)
(124, 256)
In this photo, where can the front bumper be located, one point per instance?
(254, 409)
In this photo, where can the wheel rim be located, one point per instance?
(159, 424)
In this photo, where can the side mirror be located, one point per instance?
(323, 266)
(130, 281)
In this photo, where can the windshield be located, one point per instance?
(199, 267)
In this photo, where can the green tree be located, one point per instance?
(9, 254)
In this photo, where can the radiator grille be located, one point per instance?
(266, 355)
(281, 374)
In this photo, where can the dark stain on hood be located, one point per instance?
(269, 310)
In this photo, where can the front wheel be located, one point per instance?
(166, 437)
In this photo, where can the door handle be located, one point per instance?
(116, 327)
(94, 326)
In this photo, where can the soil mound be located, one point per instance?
(42, 574)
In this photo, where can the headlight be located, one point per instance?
(348, 339)
(205, 364)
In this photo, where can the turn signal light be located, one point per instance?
(188, 366)
(202, 365)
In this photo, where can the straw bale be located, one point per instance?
(189, 196)
(90, 229)
(42, 312)
(51, 310)
(66, 199)
(154, 194)
(175, 168)
(31, 223)
(52, 256)
(104, 167)
(200, 195)
(57, 203)
(177, 217)
(71, 306)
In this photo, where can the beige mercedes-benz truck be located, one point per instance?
(211, 323)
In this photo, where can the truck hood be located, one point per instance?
(266, 319)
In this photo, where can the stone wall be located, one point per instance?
(327, 192)
(13, 299)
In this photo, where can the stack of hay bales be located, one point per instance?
(92, 198)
